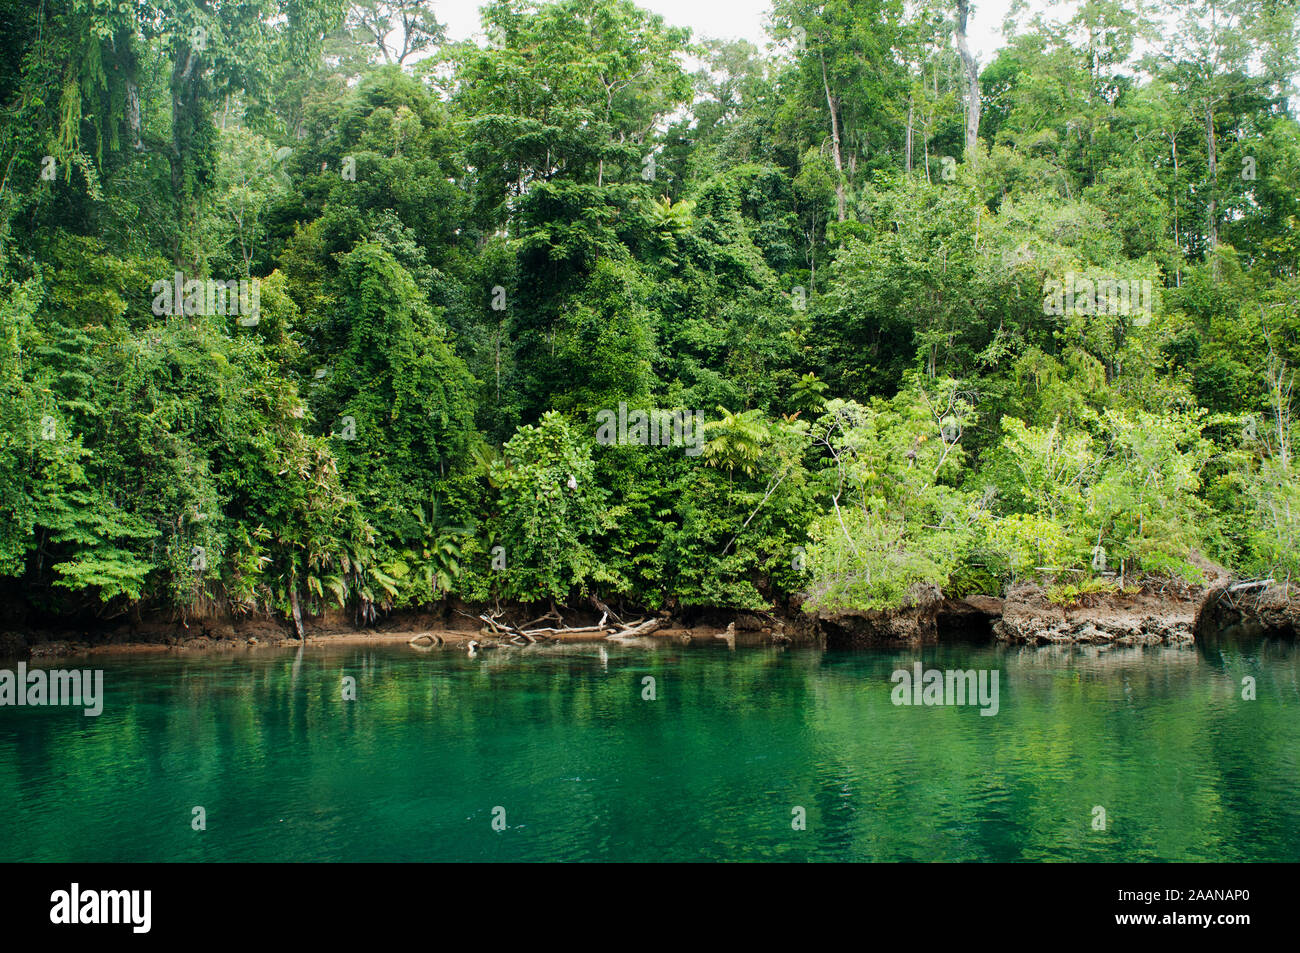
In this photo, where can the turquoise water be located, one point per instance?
(713, 768)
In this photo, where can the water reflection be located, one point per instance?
(563, 739)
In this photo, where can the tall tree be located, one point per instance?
(973, 100)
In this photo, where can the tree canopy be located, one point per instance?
(304, 305)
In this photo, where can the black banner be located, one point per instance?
(141, 903)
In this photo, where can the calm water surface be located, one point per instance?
(586, 769)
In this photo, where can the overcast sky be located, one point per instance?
(736, 19)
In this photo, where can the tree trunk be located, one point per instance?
(972, 81)
(1212, 159)
(185, 118)
(130, 68)
(297, 614)
(1178, 239)
(907, 154)
(835, 142)
(497, 345)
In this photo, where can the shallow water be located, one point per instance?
(584, 768)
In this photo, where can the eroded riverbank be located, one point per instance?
(1156, 612)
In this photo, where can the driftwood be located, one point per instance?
(606, 611)
(571, 630)
(642, 627)
(531, 633)
(552, 616)
(495, 626)
(515, 634)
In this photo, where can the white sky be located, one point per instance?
(741, 19)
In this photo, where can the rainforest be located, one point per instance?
(306, 307)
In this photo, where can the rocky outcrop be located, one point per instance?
(1155, 611)
(856, 629)
(927, 618)
(1254, 608)
(1149, 616)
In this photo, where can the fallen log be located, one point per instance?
(575, 630)
(553, 615)
(529, 633)
(637, 628)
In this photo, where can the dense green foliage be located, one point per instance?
(849, 348)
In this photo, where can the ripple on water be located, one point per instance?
(732, 750)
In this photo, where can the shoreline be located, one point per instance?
(450, 639)
(1167, 613)
(45, 654)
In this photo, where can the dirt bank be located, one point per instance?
(1151, 611)
(454, 623)
(1148, 615)
(1154, 612)
(1264, 608)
